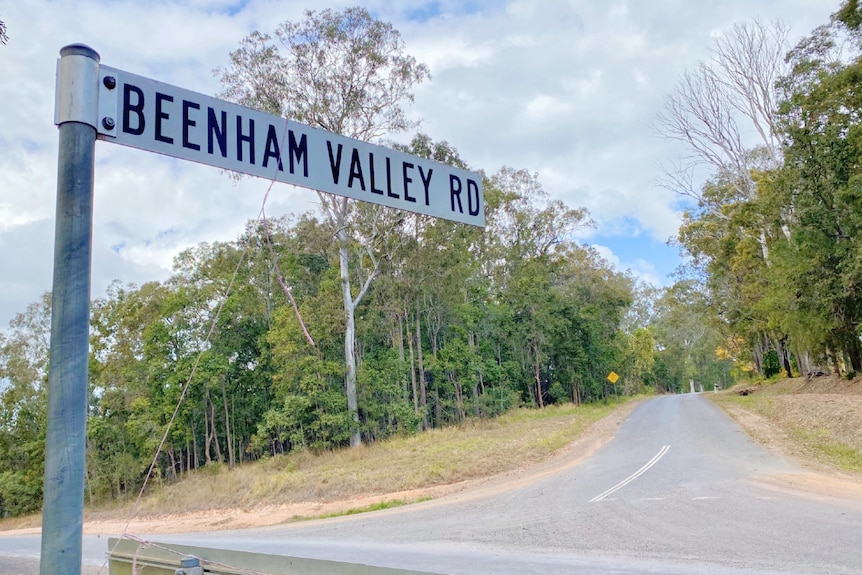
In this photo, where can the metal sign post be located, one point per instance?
(65, 440)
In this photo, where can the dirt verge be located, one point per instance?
(816, 422)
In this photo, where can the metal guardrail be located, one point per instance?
(131, 557)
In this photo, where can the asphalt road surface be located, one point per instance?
(676, 491)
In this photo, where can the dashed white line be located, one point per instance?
(633, 476)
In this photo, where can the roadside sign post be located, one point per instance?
(65, 439)
(613, 377)
(98, 102)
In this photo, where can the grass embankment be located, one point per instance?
(818, 419)
(477, 448)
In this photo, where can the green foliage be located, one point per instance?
(23, 408)
(771, 366)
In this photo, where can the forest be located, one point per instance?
(355, 323)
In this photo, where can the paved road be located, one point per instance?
(674, 492)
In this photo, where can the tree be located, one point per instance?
(4, 38)
(641, 350)
(822, 175)
(23, 408)
(345, 72)
(731, 231)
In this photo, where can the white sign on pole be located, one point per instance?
(157, 117)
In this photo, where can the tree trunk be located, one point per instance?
(438, 407)
(804, 362)
(836, 367)
(459, 394)
(477, 379)
(399, 338)
(207, 435)
(757, 355)
(422, 389)
(854, 352)
(538, 379)
(173, 464)
(349, 338)
(785, 356)
(434, 333)
(412, 371)
(229, 439)
(215, 431)
(195, 447)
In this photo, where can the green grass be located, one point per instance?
(839, 454)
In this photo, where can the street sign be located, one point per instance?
(142, 113)
(613, 377)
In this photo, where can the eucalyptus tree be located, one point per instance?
(433, 271)
(345, 72)
(725, 112)
(530, 232)
(821, 178)
(587, 340)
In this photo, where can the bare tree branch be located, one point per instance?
(715, 109)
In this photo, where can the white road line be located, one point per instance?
(633, 476)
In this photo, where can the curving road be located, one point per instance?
(677, 490)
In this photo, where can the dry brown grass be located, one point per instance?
(478, 448)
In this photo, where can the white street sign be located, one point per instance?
(150, 115)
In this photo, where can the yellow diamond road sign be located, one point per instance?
(613, 377)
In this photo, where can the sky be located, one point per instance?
(568, 89)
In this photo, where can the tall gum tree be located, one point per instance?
(345, 72)
(725, 112)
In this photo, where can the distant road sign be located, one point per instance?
(150, 115)
(613, 377)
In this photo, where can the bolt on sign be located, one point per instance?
(613, 377)
(150, 115)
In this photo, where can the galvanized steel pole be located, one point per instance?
(65, 442)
